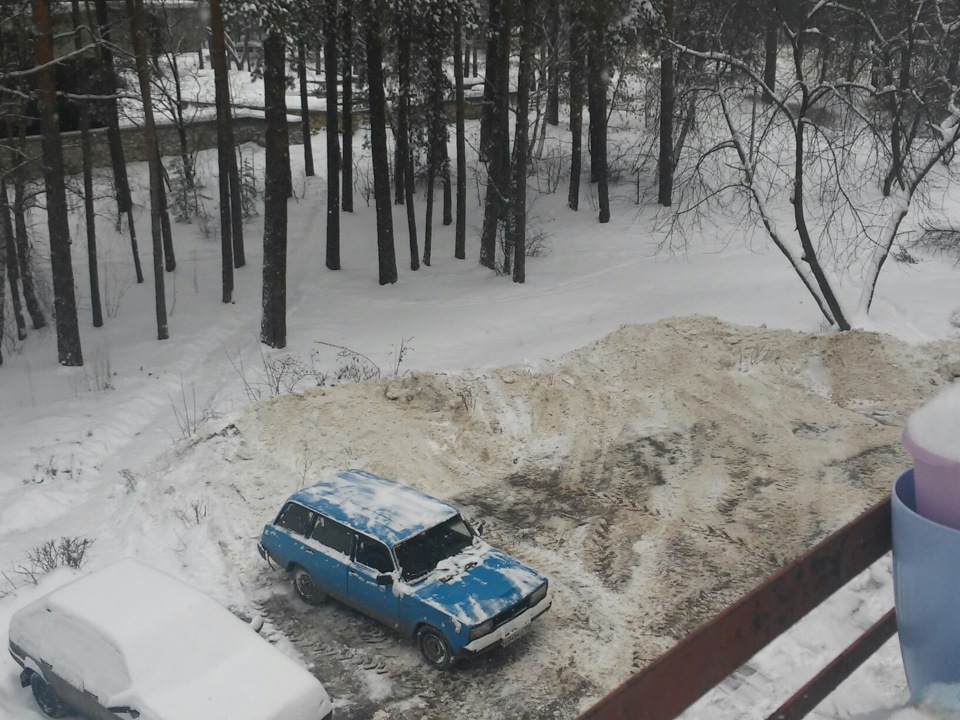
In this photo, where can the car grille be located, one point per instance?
(511, 612)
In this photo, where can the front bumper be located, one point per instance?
(509, 631)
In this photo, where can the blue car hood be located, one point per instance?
(477, 584)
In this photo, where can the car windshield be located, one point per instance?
(421, 553)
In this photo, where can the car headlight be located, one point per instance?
(539, 594)
(484, 628)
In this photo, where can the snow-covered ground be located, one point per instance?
(655, 475)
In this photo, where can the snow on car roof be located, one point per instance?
(102, 600)
(368, 503)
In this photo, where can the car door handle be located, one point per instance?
(353, 572)
(307, 551)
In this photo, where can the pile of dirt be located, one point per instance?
(655, 476)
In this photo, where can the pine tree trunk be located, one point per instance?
(553, 64)
(138, 36)
(58, 223)
(117, 160)
(435, 137)
(23, 255)
(491, 76)
(445, 175)
(170, 260)
(770, 39)
(218, 60)
(596, 61)
(428, 220)
(273, 325)
(181, 121)
(435, 130)
(404, 158)
(498, 170)
(399, 189)
(228, 167)
(460, 234)
(347, 168)
(89, 216)
(331, 64)
(576, 115)
(304, 110)
(518, 207)
(595, 108)
(667, 90)
(236, 204)
(12, 270)
(386, 252)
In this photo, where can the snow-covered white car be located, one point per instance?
(129, 641)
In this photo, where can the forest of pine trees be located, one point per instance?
(718, 80)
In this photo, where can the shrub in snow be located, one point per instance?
(67, 551)
(955, 317)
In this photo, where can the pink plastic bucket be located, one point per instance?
(937, 485)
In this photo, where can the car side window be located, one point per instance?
(334, 535)
(373, 554)
(296, 518)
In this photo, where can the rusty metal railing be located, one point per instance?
(701, 660)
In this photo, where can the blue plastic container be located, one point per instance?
(926, 581)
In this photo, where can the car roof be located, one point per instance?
(383, 509)
(136, 609)
(102, 600)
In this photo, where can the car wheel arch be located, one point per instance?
(321, 593)
(30, 664)
(47, 697)
(426, 629)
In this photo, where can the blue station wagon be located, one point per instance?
(407, 560)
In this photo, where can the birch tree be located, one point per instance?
(849, 155)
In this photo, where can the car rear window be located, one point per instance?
(296, 518)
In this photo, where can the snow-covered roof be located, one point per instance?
(368, 503)
(101, 600)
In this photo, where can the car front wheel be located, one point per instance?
(434, 648)
(47, 697)
(307, 588)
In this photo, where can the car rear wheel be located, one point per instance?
(307, 588)
(47, 697)
(434, 648)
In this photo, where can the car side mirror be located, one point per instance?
(125, 709)
(384, 579)
(479, 527)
